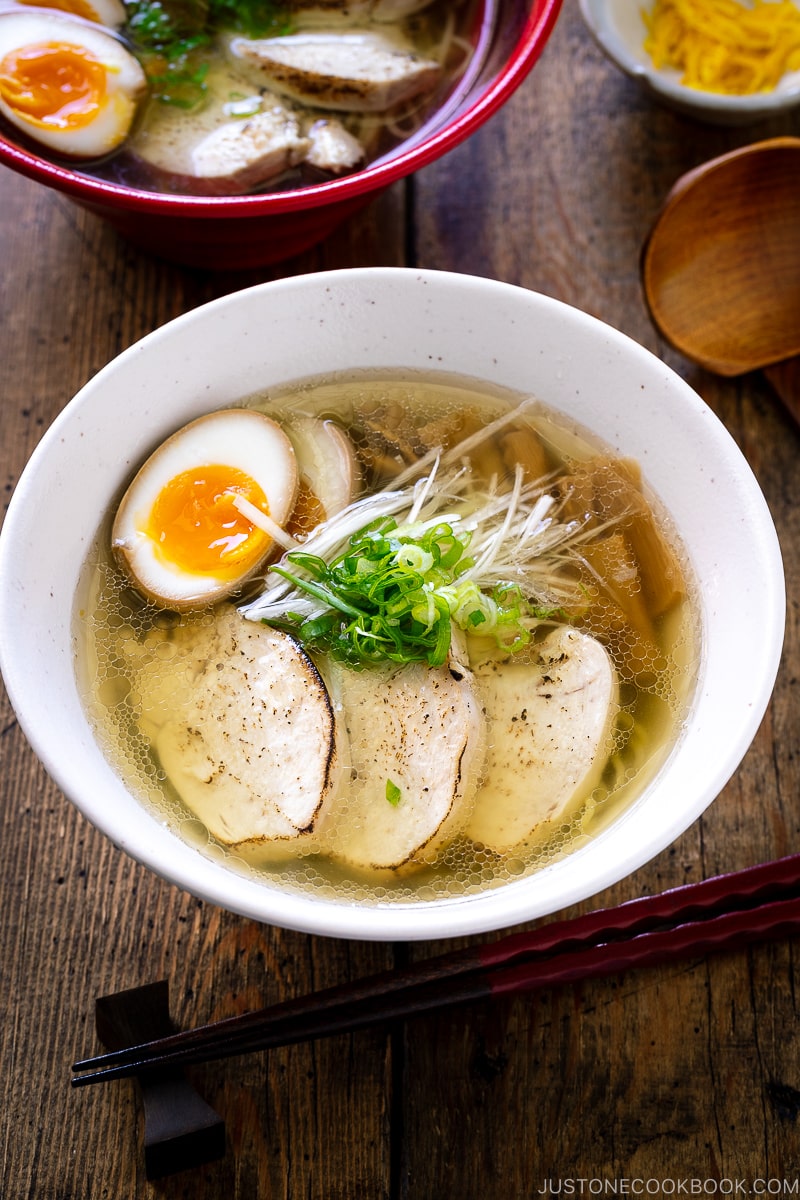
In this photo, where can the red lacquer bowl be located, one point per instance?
(234, 232)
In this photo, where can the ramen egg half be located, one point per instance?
(67, 83)
(193, 525)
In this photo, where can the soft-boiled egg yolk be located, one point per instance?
(67, 83)
(197, 526)
(188, 530)
(53, 84)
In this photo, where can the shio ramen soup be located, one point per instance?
(387, 639)
(229, 97)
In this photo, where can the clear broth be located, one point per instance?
(126, 644)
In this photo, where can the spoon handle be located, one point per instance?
(785, 379)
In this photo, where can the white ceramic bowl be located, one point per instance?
(619, 30)
(278, 333)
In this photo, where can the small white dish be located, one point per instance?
(619, 29)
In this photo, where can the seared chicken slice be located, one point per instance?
(416, 749)
(345, 10)
(333, 148)
(251, 747)
(378, 10)
(395, 10)
(550, 725)
(349, 71)
(234, 143)
(245, 153)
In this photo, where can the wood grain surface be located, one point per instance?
(679, 1080)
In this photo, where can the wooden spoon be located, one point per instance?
(721, 265)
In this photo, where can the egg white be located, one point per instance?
(104, 12)
(126, 83)
(239, 438)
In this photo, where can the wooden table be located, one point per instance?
(678, 1080)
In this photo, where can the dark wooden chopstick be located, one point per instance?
(754, 904)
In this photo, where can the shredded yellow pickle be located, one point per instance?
(724, 46)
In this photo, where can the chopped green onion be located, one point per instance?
(393, 793)
(168, 36)
(395, 589)
(390, 596)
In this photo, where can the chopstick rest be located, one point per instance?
(180, 1129)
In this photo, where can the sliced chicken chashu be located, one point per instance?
(349, 70)
(252, 748)
(416, 750)
(550, 725)
(245, 153)
(224, 146)
(333, 148)
(376, 10)
(395, 10)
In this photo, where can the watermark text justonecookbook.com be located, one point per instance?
(680, 1186)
